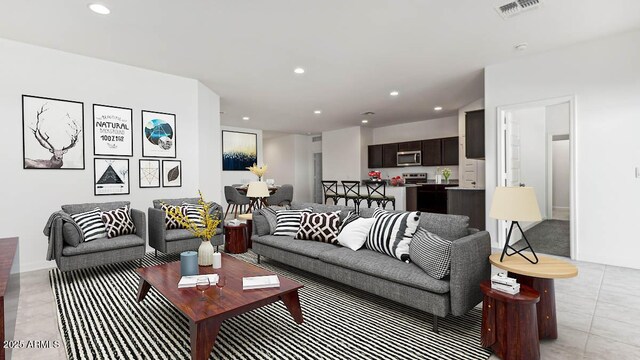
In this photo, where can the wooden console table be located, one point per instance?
(540, 277)
(9, 292)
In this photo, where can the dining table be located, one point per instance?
(257, 202)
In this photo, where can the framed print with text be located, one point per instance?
(110, 176)
(158, 134)
(112, 130)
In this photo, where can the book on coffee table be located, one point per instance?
(190, 281)
(260, 282)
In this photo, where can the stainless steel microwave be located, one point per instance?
(409, 158)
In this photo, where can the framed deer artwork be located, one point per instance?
(111, 176)
(52, 133)
(112, 130)
(158, 134)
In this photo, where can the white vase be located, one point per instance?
(205, 254)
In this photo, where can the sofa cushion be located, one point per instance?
(79, 208)
(383, 266)
(71, 235)
(323, 208)
(391, 233)
(118, 222)
(323, 227)
(104, 244)
(431, 253)
(450, 227)
(181, 234)
(288, 222)
(303, 247)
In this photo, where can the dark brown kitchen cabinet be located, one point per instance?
(432, 152)
(409, 146)
(375, 156)
(469, 202)
(389, 155)
(450, 151)
(474, 134)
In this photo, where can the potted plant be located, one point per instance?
(258, 171)
(446, 172)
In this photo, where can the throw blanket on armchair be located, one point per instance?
(50, 230)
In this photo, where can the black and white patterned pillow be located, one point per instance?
(288, 222)
(118, 222)
(392, 232)
(323, 227)
(170, 222)
(431, 253)
(351, 217)
(194, 213)
(270, 214)
(91, 224)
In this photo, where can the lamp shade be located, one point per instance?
(515, 204)
(258, 189)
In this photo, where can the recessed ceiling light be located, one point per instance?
(394, 93)
(317, 112)
(521, 47)
(365, 121)
(437, 108)
(245, 118)
(298, 70)
(99, 9)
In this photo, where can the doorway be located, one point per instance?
(537, 149)
(317, 178)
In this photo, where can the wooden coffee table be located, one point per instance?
(540, 277)
(206, 317)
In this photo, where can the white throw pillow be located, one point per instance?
(354, 234)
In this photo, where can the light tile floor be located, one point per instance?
(598, 315)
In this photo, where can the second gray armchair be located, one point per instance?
(282, 196)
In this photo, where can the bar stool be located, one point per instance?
(377, 191)
(330, 190)
(352, 192)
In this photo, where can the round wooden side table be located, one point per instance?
(540, 277)
(509, 325)
(249, 219)
(235, 239)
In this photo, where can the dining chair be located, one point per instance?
(352, 192)
(235, 200)
(282, 196)
(377, 192)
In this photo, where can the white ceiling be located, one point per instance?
(354, 51)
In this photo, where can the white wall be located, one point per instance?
(290, 162)
(30, 196)
(604, 76)
(561, 173)
(238, 176)
(209, 144)
(341, 154)
(419, 130)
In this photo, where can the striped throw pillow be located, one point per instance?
(194, 212)
(431, 253)
(392, 232)
(91, 224)
(323, 227)
(170, 222)
(118, 222)
(288, 222)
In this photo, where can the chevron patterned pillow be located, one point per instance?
(118, 222)
(322, 227)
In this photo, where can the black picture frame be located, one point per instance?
(108, 178)
(165, 181)
(131, 132)
(140, 173)
(238, 161)
(155, 150)
(30, 148)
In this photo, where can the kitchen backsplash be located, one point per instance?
(388, 173)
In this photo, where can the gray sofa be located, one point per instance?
(386, 276)
(101, 251)
(176, 240)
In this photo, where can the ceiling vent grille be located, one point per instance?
(316, 138)
(514, 8)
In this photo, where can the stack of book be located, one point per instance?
(506, 284)
(190, 281)
(260, 282)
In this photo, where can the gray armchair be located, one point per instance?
(176, 240)
(235, 200)
(282, 196)
(101, 251)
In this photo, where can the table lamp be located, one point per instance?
(515, 204)
(258, 189)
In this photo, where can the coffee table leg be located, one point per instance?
(546, 307)
(292, 302)
(203, 337)
(143, 289)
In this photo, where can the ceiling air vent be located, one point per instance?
(316, 138)
(516, 7)
(368, 113)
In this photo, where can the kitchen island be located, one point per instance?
(470, 202)
(406, 196)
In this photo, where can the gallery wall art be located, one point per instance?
(52, 133)
(158, 134)
(239, 150)
(111, 176)
(149, 173)
(171, 173)
(112, 130)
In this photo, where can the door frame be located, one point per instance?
(573, 145)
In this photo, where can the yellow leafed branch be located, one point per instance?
(211, 221)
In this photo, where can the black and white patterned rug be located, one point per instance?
(99, 318)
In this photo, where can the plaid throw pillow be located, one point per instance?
(431, 253)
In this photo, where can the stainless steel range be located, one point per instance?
(415, 178)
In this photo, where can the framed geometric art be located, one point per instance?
(112, 130)
(239, 150)
(158, 134)
(171, 173)
(110, 176)
(52, 133)
(149, 173)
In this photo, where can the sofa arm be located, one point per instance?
(260, 225)
(469, 266)
(58, 239)
(157, 229)
(140, 222)
(215, 207)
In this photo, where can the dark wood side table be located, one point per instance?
(235, 238)
(540, 277)
(509, 323)
(249, 219)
